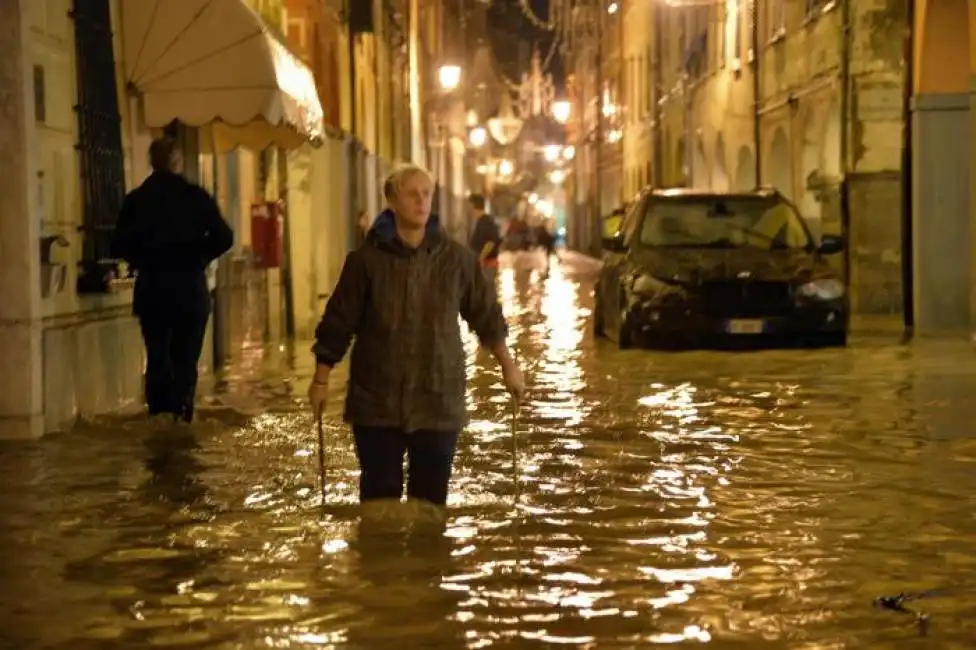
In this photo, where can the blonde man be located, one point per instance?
(399, 296)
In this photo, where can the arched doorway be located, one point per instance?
(720, 174)
(745, 170)
(780, 164)
(941, 166)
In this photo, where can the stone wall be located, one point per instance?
(875, 242)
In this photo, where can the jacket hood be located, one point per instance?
(383, 231)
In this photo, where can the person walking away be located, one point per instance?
(399, 296)
(486, 239)
(169, 230)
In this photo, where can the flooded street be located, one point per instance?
(738, 500)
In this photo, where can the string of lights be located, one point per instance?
(533, 18)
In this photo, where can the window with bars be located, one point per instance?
(100, 153)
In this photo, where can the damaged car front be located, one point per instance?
(719, 269)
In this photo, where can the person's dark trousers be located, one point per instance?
(430, 456)
(174, 341)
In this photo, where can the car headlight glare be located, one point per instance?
(823, 289)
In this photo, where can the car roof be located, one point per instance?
(696, 193)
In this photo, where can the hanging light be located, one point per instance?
(478, 136)
(561, 111)
(557, 176)
(449, 76)
(506, 126)
(569, 152)
(551, 152)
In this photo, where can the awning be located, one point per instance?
(215, 63)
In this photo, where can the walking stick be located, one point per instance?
(515, 481)
(515, 464)
(321, 455)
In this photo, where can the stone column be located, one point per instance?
(21, 403)
(941, 220)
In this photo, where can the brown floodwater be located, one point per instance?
(733, 500)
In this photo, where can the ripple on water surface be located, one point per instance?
(754, 500)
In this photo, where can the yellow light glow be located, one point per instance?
(478, 136)
(449, 76)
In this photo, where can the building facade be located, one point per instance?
(596, 80)
(87, 84)
(779, 93)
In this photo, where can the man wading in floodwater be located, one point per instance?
(400, 295)
(169, 230)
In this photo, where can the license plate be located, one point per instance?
(744, 327)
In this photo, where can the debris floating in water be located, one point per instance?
(897, 604)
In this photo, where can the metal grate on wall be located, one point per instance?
(101, 157)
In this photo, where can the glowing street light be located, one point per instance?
(551, 152)
(569, 152)
(613, 8)
(506, 168)
(561, 111)
(449, 76)
(478, 136)
(557, 176)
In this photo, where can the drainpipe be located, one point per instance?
(756, 94)
(353, 143)
(845, 134)
(907, 180)
(596, 235)
(657, 16)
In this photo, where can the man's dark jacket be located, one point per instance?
(402, 305)
(486, 232)
(168, 231)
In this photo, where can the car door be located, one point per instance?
(615, 269)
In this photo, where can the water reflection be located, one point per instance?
(736, 500)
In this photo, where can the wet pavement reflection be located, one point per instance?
(741, 500)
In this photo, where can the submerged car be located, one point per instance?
(700, 269)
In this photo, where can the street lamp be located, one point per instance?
(569, 152)
(561, 111)
(551, 152)
(449, 77)
(478, 136)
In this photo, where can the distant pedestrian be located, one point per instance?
(486, 238)
(169, 231)
(399, 297)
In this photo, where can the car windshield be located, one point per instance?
(723, 222)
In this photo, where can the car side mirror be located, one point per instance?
(831, 244)
(614, 244)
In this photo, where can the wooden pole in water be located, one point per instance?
(321, 433)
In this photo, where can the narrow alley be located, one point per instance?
(748, 499)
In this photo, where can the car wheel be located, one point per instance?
(625, 336)
(836, 339)
(598, 331)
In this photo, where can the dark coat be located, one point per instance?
(168, 231)
(488, 235)
(402, 305)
